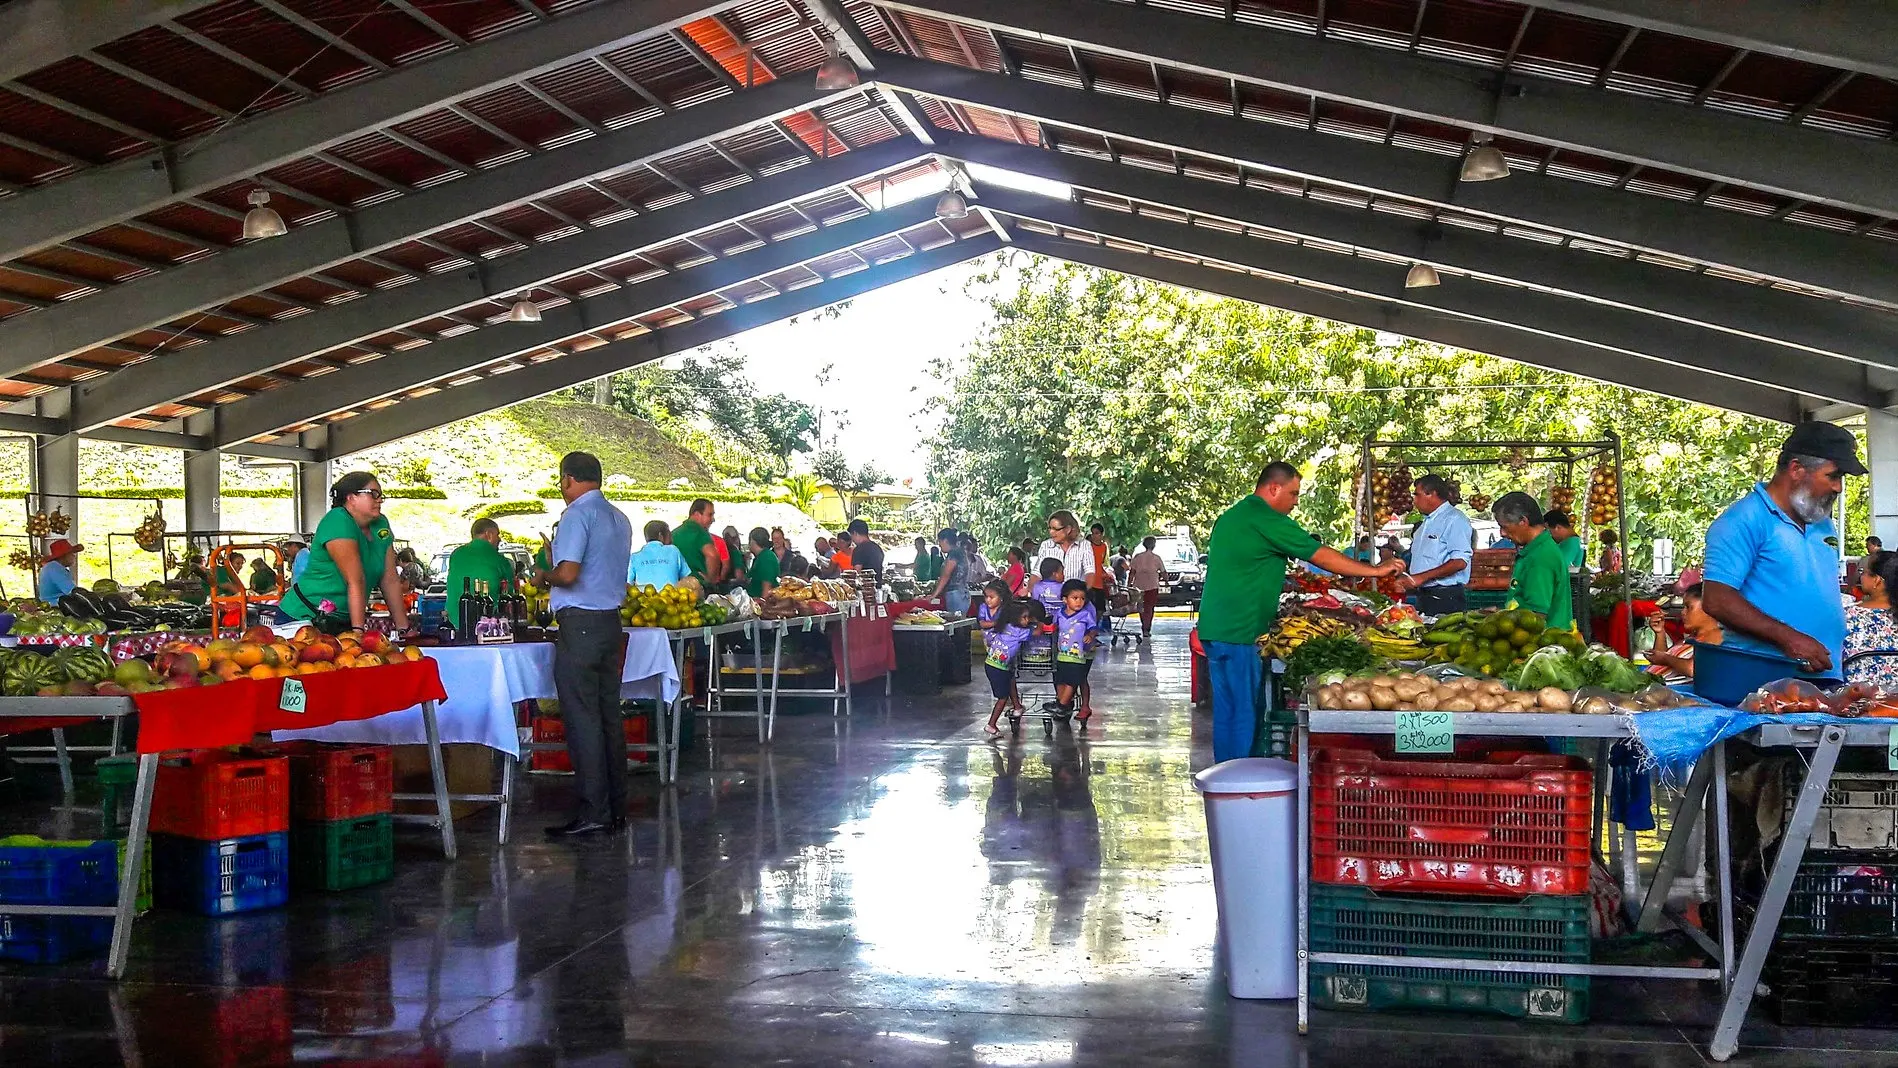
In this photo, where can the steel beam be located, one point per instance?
(1671, 346)
(1536, 350)
(1855, 35)
(852, 43)
(1848, 172)
(35, 33)
(301, 402)
(413, 417)
(204, 367)
(74, 326)
(104, 195)
(1826, 327)
(1839, 263)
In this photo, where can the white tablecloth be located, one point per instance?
(485, 682)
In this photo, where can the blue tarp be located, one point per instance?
(1674, 738)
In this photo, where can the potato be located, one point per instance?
(1488, 702)
(1331, 696)
(1515, 708)
(1551, 699)
(1386, 681)
(1469, 685)
(1408, 688)
(1457, 704)
(1596, 706)
(1657, 697)
(1495, 686)
(1383, 697)
(1357, 700)
(1405, 706)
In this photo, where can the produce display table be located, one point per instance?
(848, 632)
(930, 656)
(233, 714)
(1738, 975)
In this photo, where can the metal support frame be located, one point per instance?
(851, 42)
(293, 339)
(74, 326)
(101, 196)
(1717, 146)
(35, 33)
(1839, 263)
(402, 420)
(312, 493)
(1664, 342)
(203, 479)
(1762, 314)
(1574, 358)
(1855, 35)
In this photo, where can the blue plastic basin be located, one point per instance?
(1726, 674)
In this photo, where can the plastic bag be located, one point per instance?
(1853, 699)
(1786, 695)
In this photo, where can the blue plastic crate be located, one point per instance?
(52, 939)
(220, 878)
(1726, 674)
(36, 874)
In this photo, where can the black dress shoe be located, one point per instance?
(576, 829)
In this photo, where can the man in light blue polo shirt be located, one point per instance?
(1772, 569)
(1439, 551)
(591, 548)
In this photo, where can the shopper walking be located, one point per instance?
(1252, 543)
(591, 552)
(1143, 573)
(1065, 544)
(1098, 577)
(1440, 550)
(952, 585)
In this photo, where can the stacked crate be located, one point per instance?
(37, 872)
(220, 822)
(1491, 569)
(342, 835)
(1835, 963)
(1485, 858)
(552, 730)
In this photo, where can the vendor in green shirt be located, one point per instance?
(928, 562)
(352, 552)
(693, 539)
(1540, 582)
(479, 561)
(1562, 529)
(1252, 544)
(765, 566)
(228, 584)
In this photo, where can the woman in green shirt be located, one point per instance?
(352, 552)
(763, 572)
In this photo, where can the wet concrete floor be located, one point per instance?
(886, 889)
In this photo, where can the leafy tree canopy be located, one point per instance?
(1140, 405)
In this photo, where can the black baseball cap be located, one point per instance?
(1825, 441)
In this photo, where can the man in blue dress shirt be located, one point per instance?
(1772, 569)
(591, 548)
(1439, 550)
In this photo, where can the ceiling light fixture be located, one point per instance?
(1485, 163)
(1421, 276)
(952, 205)
(836, 72)
(524, 311)
(262, 221)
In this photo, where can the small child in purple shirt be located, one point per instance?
(1076, 633)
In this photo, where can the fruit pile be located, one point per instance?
(1562, 498)
(260, 654)
(41, 524)
(1604, 498)
(68, 672)
(1390, 493)
(1479, 503)
(1489, 643)
(150, 535)
(673, 608)
(46, 624)
(1404, 692)
(1292, 632)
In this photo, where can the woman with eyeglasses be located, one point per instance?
(352, 552)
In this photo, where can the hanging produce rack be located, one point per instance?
(1412, 457)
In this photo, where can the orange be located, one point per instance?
(262, 671)
(248, 655)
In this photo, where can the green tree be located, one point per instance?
(803, 491)
(850, 482)
(1138, 404)
(710, 405)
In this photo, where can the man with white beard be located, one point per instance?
(1772, 570)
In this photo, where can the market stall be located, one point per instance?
(932, 651)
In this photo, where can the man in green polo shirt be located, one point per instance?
(1252, 544)
(478, 561)
(1540, 581)
(1562, 529)
(693, 539)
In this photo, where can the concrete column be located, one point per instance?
(56, 464)
(203, 479)
(313, 493)
(1881, 456)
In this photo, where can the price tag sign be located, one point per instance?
(1426, 732)
(705, 634)
(1891, 750)
(293, 699)
(807, 624)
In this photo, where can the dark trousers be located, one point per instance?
(1441, 600)
(586, 677)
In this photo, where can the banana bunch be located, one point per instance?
(1393, 647)
(1293, 631)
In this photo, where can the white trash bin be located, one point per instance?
(1252, 828)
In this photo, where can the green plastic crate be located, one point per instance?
(342, 854)
(1539, 928)
(144, 903)
(1277, 735)
(1475, 599)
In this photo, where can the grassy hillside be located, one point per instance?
(625, 445)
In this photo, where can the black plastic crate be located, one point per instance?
(1820, 982)
(1844, 896)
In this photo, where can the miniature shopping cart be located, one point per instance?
(1123, 621)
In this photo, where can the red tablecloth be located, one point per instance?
(1613, 631)
(231, 714)
(872, 647)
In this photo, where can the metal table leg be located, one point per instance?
(1723, 848)
(1679, 837)
(136, 839)
(843, 679)
(1779, 885)
(777, 658)
(64, 760)
(510, 767)
(444, 809)
(1303, 737)
(757, 659)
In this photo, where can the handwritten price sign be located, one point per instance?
(1891, 749)
(1426, 732)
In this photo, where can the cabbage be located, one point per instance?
(1554, 666)
(1611, 671)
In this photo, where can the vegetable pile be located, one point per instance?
(1597, 666)
(1323, 656)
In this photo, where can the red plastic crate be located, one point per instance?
(339, 782)
(549, 729)
(215, 794)
(1511, 825)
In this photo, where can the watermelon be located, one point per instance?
(27, 674)
(84, 663)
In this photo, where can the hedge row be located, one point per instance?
(716, 496)
(506, 508)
